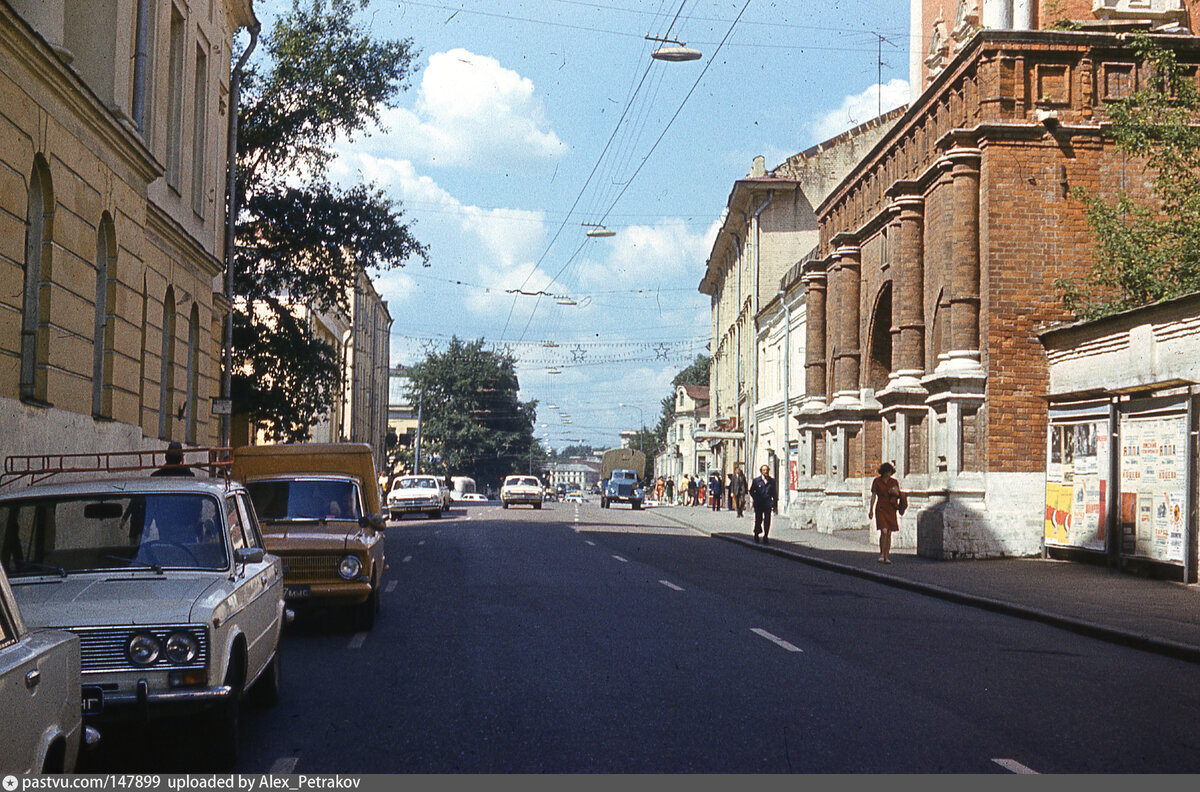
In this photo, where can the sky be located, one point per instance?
(529, 122)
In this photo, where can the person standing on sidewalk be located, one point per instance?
(714, 490)
(764, 494)
(692, 488)
(740, 488)
(888, 502)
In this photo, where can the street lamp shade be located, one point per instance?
(675, 54)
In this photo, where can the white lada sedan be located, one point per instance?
(166, 582)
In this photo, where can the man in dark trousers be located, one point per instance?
(740, 488)
(764, 493)
(714, 491)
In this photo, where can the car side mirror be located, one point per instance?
(249, 555)
(376, 521)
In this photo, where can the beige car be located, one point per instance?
(39, 695)
(318, 504)
(521, 489)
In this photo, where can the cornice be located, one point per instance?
(32, 52)
(175, 235)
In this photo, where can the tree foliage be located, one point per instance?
(471, 416)
(301, 238)
(1147, 251)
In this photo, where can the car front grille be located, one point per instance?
(311, 568)
(103, 648)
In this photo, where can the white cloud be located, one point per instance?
(649, 256)
(858, 109)
(469, 111)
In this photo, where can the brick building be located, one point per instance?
(936, 267)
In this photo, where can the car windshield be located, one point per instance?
(415, 483)
(305, 499)
(522, 482)
(64, 534)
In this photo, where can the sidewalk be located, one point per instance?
(1152, 615)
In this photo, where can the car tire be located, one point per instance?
(395, 516)
(265, 692)
(537, 505)
(435, 514)
(637, 505)
(503, 504)
(224, 721)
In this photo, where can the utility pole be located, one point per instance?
(417, 443)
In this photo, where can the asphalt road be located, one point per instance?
(575, 639)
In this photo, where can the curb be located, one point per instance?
(1141, 641)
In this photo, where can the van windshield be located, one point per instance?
(305, 499)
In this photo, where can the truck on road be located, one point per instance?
(621, 471)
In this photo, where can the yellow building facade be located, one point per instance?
(112, 193)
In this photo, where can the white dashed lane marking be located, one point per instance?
(622, 560)
(776, 640)
(589, 541)
(284, 766)
(358, 640)
(391, 587)
(670, 585)
(1013, 766)
(407, 559)
(421, 543)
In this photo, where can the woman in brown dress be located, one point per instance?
(885, 491)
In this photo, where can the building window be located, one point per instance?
(199, 131)
(166, 384)
(175, 99)
(193, 373)
(36, 292)
(106, 281)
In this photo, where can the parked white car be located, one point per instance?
(521, 489)
(417, 493)
(39, 695)
(166, 582)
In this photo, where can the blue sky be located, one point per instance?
(527, 120)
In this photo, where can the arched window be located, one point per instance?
(35, 301)
(193, 373)
(166, 384)
(879, 364)
(106, 286)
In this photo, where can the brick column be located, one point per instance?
(908, 284)
(815, 373)
(846, 352)
(964, 239)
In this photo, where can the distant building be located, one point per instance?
(577, 475)
(682, 453)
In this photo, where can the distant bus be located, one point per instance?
(461, 485)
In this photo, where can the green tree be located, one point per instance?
(302, 240)
(471, 416)
(1147, 251)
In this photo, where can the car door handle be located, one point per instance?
(32, 679)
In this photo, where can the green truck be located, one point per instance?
(621, 472)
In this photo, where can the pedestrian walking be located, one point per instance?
(764, 494)
(692, 491)
(729, 480)
(670, 491)
(714, 490)
(888, 502)
(701, 494)
(740, 488)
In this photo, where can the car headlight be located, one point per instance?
(182, 647)
(349, 567)
(143, 649)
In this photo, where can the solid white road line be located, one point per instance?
(670, 585)
(1013, 766)
(622, 560)
(358, 640)
(589, 541)
(407, 559)
(284, 766)
(391, 587)
(775, 640)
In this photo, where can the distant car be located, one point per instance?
(167, 583)
(416, 494)
(39, 694)
(573, 497)
(474, 497)
(521, 489)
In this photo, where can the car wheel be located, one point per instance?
(265, 692)
(503, 504)
(223, 723)
(636, 505)
(537, 505)
(435, 514)
(396, 515)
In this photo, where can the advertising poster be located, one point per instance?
(1153, 475)
(1077, 485)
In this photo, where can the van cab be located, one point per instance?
(318, 506)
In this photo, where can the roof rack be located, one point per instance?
(39, 467)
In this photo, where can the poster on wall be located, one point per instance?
(793, 474)
(1077, 485)
(1153, 487)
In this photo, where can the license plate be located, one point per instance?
(92, 699)
(296, 592)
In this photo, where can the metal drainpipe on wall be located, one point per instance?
(787, 355)
(752, 421)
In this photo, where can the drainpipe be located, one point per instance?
(140, 50)
(752, 422)
(235, 80)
